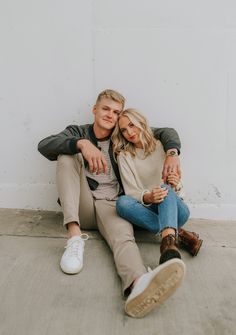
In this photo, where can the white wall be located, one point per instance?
(174, 60)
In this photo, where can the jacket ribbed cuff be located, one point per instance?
(73, 145)
(172, 145)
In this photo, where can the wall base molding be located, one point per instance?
(44, 197)
(213, 211)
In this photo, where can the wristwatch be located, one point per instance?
(172, 153)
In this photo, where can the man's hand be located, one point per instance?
(156, 196)
(94, 157)
(171, 165)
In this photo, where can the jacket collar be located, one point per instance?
(92, 135)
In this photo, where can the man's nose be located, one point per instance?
(110, 113)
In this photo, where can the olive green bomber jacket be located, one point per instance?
(65, 143)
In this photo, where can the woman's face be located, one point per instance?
(130, 132)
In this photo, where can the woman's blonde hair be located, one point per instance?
(120, 144)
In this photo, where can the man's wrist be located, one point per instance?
(80, 142)
(172, 152)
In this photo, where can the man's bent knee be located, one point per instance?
(68, 161)
(65, 160)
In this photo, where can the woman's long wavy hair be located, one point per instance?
(120, 144)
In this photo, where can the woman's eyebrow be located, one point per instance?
(122, 128)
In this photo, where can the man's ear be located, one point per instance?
(94, 109)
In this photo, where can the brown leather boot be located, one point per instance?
(189, 241)
(169, 249)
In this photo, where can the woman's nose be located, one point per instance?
(129, 131)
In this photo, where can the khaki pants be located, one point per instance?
(78, 205)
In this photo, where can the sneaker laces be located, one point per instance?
(75, 247)
(84, 236)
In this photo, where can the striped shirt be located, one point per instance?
(108, 186)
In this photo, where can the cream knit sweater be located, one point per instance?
(139, 174)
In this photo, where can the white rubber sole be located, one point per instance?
(70, 270)
(166, 279)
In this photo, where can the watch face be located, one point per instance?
(173, 153)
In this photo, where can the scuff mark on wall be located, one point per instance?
(217, 192)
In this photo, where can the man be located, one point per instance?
(88, 184)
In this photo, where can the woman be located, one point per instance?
(148, 202)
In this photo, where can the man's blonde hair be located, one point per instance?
(113, 95)
(120, 144)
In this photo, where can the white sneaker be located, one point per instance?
(154, 287)
(72, 259)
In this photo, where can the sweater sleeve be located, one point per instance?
(129, 177)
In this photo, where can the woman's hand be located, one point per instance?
(156, 196)
(173, 179)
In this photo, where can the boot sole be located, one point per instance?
(198, 248)
(161, 286)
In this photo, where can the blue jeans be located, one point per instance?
(172, 212)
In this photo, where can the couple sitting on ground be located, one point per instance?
(115, 174)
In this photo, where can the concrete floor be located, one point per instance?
(36, 298)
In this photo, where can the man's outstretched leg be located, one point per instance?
(154, 287)
(71, 182)
(146, 290)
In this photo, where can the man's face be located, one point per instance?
(106, 113)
